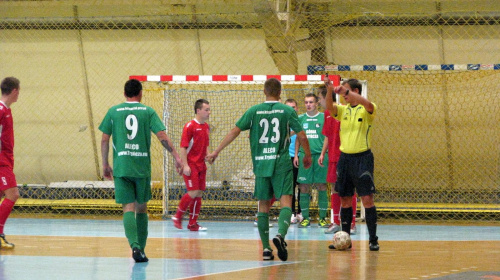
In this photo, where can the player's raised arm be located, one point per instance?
(329, 97)
(351, 91)
(167, 144)
(359, 99)
(235, 132)
(302, 138)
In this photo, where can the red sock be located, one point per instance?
(354, 205)
(336, 208)
(5, 210)
(194, 210)
(183, 205)
(272, 201)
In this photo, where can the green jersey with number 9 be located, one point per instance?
(269, 125)
(130, 125)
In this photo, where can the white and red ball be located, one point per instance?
(341, 240)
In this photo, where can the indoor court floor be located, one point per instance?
(97, 249)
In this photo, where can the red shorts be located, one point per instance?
(197, 180)
(331, 176)
(7, 178)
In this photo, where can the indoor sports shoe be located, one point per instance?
(139, 255)
(267, 255)
(177, 222)
(4, 244)
(333, 228)
(353, 230)
(305, 223)
(374, 245)
(196, 227)
(293, 220)
(280, 244)
(323, 223)
(332, 247)
(299, 218)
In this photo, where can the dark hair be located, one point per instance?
(312, 95)
(354, 84)
(291, 100)
(272, 87)
(9, 84)
(199, 104)
(322, 90)
(132, 88)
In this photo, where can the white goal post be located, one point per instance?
(229, 96)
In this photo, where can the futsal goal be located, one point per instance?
(230, 180)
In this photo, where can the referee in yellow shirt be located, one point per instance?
(355, 165)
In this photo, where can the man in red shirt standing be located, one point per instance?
(8, 185)
(194, 149)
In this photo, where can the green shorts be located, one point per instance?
(315, 173)
(279, 184)
(129, 189)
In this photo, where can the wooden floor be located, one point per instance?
(88, 249)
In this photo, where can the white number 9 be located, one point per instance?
(132, 125)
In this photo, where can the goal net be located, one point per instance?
(230, 180)
(436, 139)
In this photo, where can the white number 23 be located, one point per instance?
(264, 123)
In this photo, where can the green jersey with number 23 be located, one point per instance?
(269, 125)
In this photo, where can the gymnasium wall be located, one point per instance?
(73, 58)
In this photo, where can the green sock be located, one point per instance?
(130, 226)
(263, 226)
(284, 220)
(142, 229)
(322, 204)
(304, 204)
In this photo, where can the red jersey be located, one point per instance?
(195, 139)
(331, 129)
(6, 137)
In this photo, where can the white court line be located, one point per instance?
(231, 271)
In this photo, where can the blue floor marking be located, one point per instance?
(245, 230)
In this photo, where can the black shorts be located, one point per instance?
(355, 173)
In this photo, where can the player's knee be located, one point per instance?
(322, 187)
(12, 194)
(141, 208)
(129, 207)
(367, 201)
(304, 188)
(346, 201)
(195, 193)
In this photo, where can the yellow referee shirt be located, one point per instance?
(355, 128)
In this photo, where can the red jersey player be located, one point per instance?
(194, 149)
(331, 130)
(8, 185)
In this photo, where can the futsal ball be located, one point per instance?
(341, 240)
